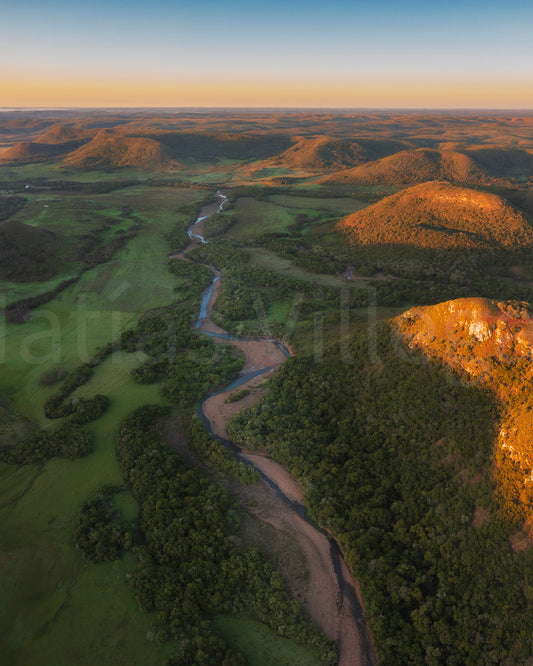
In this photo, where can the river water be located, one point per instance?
(353, 640)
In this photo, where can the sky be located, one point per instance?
(282, 53)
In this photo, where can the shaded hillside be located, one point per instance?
(32, 151)
(489, 344)
(23, 124)
(27, 253)
(66, 133)
(324, 152)
(214, 146)
(439, 215)
(506, 163)
(413, 166)
(58, 140)
(10, 205)
(112, 150)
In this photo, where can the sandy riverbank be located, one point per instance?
(327, 592)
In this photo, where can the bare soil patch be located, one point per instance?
(218, 411)
(481, 517)
(520, 541)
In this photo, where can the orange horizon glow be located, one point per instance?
(32, 91)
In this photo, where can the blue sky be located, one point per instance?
(349, 43)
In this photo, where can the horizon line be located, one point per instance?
(267, 108)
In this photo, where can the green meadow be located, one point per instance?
(279, 212)
(261, 256)
(87, 315)
(254, 218)
(92, 312)
(339, 205)
(56, 608)
(14, 291)
(222, 171)
(262, 646)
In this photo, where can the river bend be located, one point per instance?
(331, 597)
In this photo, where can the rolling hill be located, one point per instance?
(204, 146)
(66, 133)
(59, 140)
(23, 124)
(327, 153)
(32, 151)
(410, 167)
(439, 215)
(109, 149)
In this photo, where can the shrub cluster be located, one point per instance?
(99, 531)
(68, 441)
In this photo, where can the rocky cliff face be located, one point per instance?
(470, 331)
(488, 343)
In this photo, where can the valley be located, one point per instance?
(363, 355)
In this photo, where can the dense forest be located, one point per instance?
(397, 461)
(189, 566)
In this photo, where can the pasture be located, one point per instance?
(262, 646)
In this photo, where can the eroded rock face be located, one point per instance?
(489, 343)
(496, 329)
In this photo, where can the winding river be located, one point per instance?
(331, 596)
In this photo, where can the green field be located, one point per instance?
(14, 291)
(254, 218)
(261, 256)
(87, 315)
(347, 190)
(67, 331)
(262, 646)
(339, 205)
(81, 222)
(275, 172)
(50, 170)
(289, 213)
(210, 174)
(56, 608)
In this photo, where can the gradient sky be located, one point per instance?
(293, 53)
